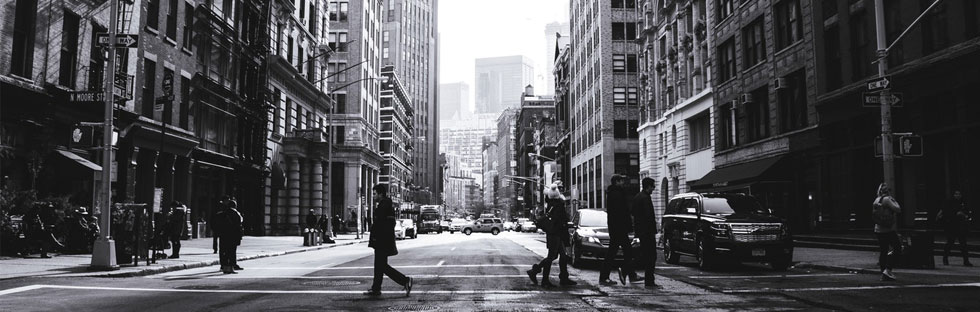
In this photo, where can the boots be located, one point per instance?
(545, 280)
(176, 253)
(533, 273)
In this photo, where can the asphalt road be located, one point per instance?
(454, 272)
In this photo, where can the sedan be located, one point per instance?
(591, 237)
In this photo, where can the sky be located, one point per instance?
(471, 29)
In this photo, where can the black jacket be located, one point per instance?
(228, 224)
(644, 217)
(559, 218)
(382, 237)
(618, 211)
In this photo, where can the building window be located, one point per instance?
(185, 102)
(627, 164)
(623, 31)
(338, 41)
(619, 96)
(757, 114)
(725, 8)
(149, 86)
(172, 20)
(22, 60)
(620, 129)
(340, 103)
(153, 14)
(792, 103)
(699, 135)
(96, 63)
(832, 52)
(619, 63)
(829, 8)
(624, 4)
(970, 13)
(727, 136)
(789, 23)
(935, 35)
(69, 50)
(861, 42)
(754, 42)
(631, 65)
(632, 96)
(343, 12)
(188, 25)
(726, 60)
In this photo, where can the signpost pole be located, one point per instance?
(887, 153)
(104, 249)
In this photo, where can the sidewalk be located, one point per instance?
(867, 262)
(193, 253)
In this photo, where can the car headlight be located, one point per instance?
(721, 230)
(636, 240)
(594, 240)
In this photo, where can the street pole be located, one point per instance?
(104, 248)
(887, 153)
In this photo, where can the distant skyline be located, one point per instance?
(511, 27)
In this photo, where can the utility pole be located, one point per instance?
(887, 153)
(104, 249)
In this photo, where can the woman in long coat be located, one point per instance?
(382, 239)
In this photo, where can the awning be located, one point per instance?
(734, 175)
(80, 160)
(207, 165)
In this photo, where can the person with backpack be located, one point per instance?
(885, 211)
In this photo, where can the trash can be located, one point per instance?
(917, 250)
(307, 237)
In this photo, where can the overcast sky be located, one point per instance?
(475, 29)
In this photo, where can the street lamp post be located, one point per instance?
(104, 248)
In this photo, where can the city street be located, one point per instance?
(479, 272)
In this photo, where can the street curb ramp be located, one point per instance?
(200, 264)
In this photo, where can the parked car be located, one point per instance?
(405, 228)
(456, 225)
(519, 224)
(724, 227)
(491, 225)
(508, 226)
(444, 226)
(590, 240)
(529, 227)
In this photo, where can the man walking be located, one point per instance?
(382, 239)
(177, 227)
(619, 223)
(645, 224)
(956, 217)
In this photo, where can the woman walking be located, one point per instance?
(955, 218)
(557, 239)
(884, 214)
(382, 239)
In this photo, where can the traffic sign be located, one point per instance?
(123, 86)
(874, 99)
(878, 83)
(81, 136)
(81, 97)
(910, 145)
(122, 40)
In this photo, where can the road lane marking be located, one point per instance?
(453, 249)
(420, 276)
(766, 290)
(326, 265)
(441, 262)
(19, 289)
(287, 292)
(394, 266)
(766, 276)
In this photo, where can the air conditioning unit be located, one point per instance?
(780, 83)
(745, 98)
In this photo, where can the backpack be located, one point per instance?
(881, 215)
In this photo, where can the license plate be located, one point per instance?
(758, 252)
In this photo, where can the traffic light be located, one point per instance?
(910, 145)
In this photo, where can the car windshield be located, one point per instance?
(430, 217)
(731, 205)
(592, 218)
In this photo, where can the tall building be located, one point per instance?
(563, 112)
(605, 113)
(500, 81)
(354, 71)
(457, 184)
(409, 43)
(552, 32)
(500, 164)
(397, 130)
(464, 138)
(676, 97)
(454, 101)
(535, 144)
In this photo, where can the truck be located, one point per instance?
(431, 219)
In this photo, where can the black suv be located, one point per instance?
(734, 227)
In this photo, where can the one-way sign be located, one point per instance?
(878, 83)
(874, 99)
(122, 40)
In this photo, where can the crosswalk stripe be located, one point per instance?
(767, 276)
(263, 291)
(846, 288)
(420, 276)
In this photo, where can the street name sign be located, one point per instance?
(874, 99)
(879, 83)
(86, 96)
(122, 40)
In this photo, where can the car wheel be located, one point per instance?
(467, 231)
(781, 264)
(451, 232)
(670, 255)
(495, 231)
(704, 256)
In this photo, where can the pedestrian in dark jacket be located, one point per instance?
(229, 228)
(557, 239)
(382, 239)
(955, 218)
(620, 225)
(177, 227)
(888, 244)
(311, 220)
(645, 224)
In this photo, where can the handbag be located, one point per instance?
(544, 222)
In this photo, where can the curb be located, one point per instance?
(199, 264)
(805, 265)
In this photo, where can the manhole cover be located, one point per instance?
(414, 307)
(197, 287)
(332, 283)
